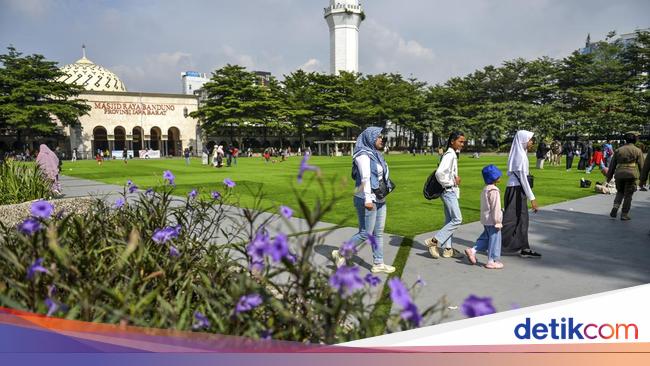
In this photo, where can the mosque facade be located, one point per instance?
(145, 124)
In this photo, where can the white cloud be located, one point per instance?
(385, 39)
(161, 65)
(234, 57)
(311, 65)
(31, 8)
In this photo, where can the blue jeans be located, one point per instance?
(373, 220)
(490, 240)
(591, 167)
(453, 219)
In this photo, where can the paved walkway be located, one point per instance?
(584, 252)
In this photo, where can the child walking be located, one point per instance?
(491, 218)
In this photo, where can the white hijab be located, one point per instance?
(518, 158)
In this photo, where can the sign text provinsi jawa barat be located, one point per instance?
(134, 108)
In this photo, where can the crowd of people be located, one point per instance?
(504, 230)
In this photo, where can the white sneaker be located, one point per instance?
(339, 260)
(382, 268)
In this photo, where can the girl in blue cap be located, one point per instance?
(491, 218)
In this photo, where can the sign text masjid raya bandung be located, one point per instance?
(134, 108)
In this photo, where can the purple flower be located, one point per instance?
(37, 266)
(201, 321)
(412, 314)
(173, 252)
(279, 248)
(291, 258)
(373, 242)
(215, 195)
(29, 226)
(346, 280)
(420, 281)
(247, 303)
(229, 183)
(286, 212)
(162, 236)
(118, 203)
(169, 177)
(304, 167)
(177, 230)
(133, 188)
(257, 248)
(149, 191)
(400, 295)
(42, 209)
(129, 182)
(266, 334)
(52, 306)
(192, 194)
(348, 249)
(474, 306)
(372, 280)
(398, 292)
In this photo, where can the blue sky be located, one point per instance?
(149, 43)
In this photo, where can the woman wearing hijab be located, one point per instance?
(220, 155)
(515, 218)
(48, 162)
(447, 176)
(369, 169)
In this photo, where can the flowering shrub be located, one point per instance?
(192, 263)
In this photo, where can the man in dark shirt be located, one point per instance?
(625, 167)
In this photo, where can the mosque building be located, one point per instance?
(145, 124)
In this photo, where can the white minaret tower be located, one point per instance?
(344, 17)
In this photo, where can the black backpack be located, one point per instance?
(432, 188)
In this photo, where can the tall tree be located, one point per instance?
(31, 100)
(234, 101)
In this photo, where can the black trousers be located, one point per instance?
(569, 161)
(625, 188)
(514, 235)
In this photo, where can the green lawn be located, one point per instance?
(408, 212)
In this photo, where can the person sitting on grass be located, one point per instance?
(491, 218)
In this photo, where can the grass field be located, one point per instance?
(408, 212)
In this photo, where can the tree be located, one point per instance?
(234, 101)
(31, 100)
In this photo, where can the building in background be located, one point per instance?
(158, 124)
(344, 18)
(193, 81)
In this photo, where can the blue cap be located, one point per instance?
(491, 173)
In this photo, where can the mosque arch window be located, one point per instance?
(100, 139)
(174, 145)
(120, 137)
(155, 140)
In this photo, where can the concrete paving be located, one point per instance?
(584, 252)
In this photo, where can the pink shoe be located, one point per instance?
(494, 265)
(470, 255)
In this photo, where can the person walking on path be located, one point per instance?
(186, 155)
(515, 218)
(235, 154)
(74, 155)
(370, 172)
(643, 179)
(569, 151)
(542, 150)
(625, 167)
(447, 176)
(491, 218)
(608, 152)
(596, 159)
(48, 163)
(125, 155)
